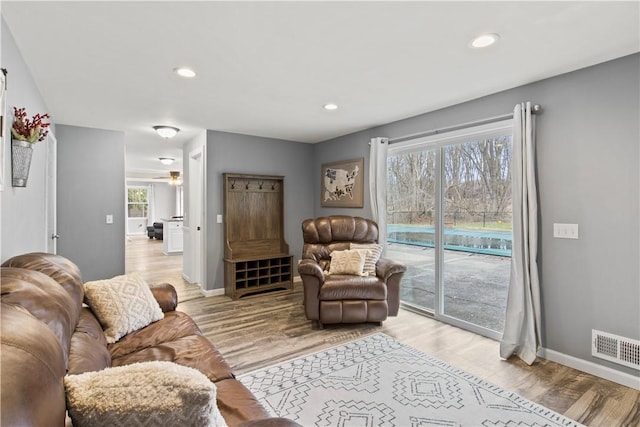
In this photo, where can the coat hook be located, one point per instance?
(273, 186)
(261, 182)
(233, 185)
(246, 186)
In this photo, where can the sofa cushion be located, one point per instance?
(88, 350)
(122, 304)
(347, 262)
(343, 287)
(44, 298)
(174, 325)
(194, 351)
(372, 257)
(59, 268)
(33, 366)
(151, 393)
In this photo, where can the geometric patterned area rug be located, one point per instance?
(378, 381)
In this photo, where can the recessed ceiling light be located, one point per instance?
(331, 106)
(166, 131)
(485, 40)
(185, 72)
(166, 160)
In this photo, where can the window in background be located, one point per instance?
(137, 209)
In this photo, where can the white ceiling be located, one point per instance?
(266, 68)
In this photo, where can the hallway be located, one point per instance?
(144, 255)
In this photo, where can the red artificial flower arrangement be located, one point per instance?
(30, 130)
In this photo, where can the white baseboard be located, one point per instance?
(212, 292)
(220, 291)
(591, 368)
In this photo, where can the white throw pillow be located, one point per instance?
(147, 393)
(122, 304)
(347, 262)
(375, 251)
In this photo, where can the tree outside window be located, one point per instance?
(137, 202)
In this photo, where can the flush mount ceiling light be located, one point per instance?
(166, 131)
(166, 160)
(485, 40)
(330, 106)
(185, 72)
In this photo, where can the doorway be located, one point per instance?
(51, 231)
(449, 220)
(195, 270)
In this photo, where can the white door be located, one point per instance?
(51, 233)
(196, 213)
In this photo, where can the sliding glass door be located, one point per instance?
(449, 220)
(411, 207)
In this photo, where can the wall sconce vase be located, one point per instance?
(21, 153)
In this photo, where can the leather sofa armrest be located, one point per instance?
(166, 296)
(391, 272)
(385, 268)
(311, 268)
(270, 422)
(312, 280)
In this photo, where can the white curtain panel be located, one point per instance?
(521, 335)
(151, 207)
(378, 185)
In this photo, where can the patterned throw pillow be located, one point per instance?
(146, 393)
(347, 262)
(122, 304)
(375, 251)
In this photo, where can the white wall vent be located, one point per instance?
(614, 348)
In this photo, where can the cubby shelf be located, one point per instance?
(257, 275)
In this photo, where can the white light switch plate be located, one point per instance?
(565, 231)
(219, 219)
(109, 219)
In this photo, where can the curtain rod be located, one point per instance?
(536, 108)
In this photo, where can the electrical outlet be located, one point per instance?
(109, 219)
(565, 231)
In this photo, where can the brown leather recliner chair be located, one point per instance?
(339, 298)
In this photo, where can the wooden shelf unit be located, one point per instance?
(256, 256)
(257, 275)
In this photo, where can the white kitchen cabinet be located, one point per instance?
(172, 241)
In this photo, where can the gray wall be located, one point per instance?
(91, 185)
(164, 201)
(23, 213)
(588, 173)
(228, 152)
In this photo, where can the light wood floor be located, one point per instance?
(145, 256)
(259, 331)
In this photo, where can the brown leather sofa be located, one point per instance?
(46, 332)
(339, 298)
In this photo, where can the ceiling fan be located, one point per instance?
(174, 178)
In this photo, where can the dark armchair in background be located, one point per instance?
(346, 298)
(155, 230)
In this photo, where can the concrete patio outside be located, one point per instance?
(475, 285)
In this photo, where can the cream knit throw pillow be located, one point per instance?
(375, 251)
(122, 304)
(347, 262)
(142, 394)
